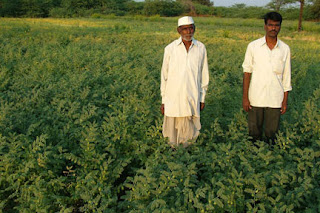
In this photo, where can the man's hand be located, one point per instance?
(162, 109)
(284, 103)
(246, 104)
(245, 100)
(283, 109)
(201, 106)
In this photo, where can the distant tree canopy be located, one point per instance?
(241, 6)
(31, 8)
(204, 2)
(278, 4)
(315, 9)
(41, 8)
(86, 8)
(10, 8)
(163, 8)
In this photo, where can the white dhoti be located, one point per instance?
(181, 130)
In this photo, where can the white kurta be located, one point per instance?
(181, 130)
(184, 78)
(271, 73)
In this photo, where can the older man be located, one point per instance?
(184, 81)
(266, 80)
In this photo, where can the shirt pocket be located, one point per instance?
(278, 64)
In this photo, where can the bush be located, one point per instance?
(203, 9)
(163, 8)
(239, 12)
(312, 12)
(134, 8)
(59, 12)
(290, 13)
(315, 10)
(10, 8)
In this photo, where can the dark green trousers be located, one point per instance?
(270, 117)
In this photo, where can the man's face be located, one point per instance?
(272, 28)
(186, 31)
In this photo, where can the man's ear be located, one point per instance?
(178, 30)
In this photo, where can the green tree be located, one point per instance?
(110, 6)
(278, 4)
(37, 8)
(315, 9)
(188, 6)
(30, 8)
(203, 2)
(163, 8)
(239, 6)
(75, 4)
(10, 8)
(106, 6)
(197, 7)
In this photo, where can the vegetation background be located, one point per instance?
(80, 125)
(87, 8)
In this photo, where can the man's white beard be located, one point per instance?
(187, 39)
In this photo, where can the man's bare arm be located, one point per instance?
(245, 99)
(202, 105)
(284, 103)
(162, 109)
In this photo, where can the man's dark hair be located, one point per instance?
(274, 16)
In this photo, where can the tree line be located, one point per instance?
(309, 9)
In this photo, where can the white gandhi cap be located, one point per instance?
(186, 20)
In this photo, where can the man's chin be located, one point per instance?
(187, 38)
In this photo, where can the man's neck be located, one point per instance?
(187, 44)
(271, 42)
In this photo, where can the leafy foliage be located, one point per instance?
(163, 8)
(88, 8)
(80, 125)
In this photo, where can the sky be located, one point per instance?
(228, 3)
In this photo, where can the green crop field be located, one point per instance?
(80, 121)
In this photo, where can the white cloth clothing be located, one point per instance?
(181, 130)
(271, 72)
(184, 78)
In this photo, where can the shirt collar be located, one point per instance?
(194, 41)
(263, 41)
